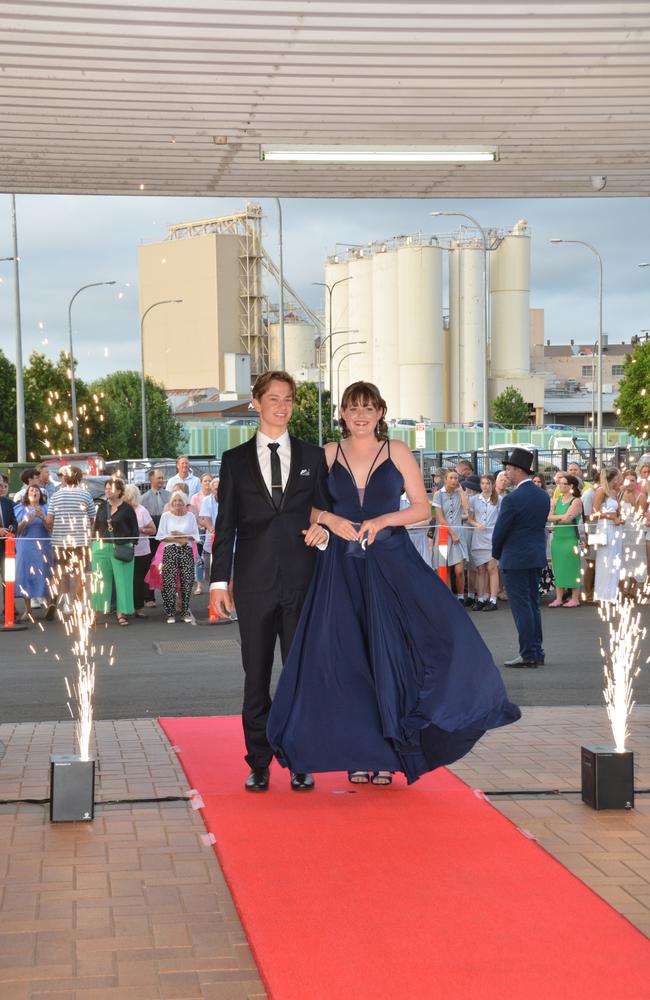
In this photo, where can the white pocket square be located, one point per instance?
(305, 472)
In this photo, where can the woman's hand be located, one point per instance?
(454, 537)
(342, 527)
(369, 529)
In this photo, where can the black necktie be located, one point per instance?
(276, 475)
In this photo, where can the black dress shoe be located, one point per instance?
(301, 782)
(257, 780)
(518, 661)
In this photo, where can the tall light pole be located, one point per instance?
(330, 290)
(599, 382)
(323, 340)
(282, 344)
(486, 334)
(21, 448)
(345, 357)
(73, 390)
(143, 398)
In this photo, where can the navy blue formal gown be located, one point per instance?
(386, 671)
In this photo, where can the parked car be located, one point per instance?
(477, 425)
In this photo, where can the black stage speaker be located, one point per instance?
(72, 788)
(607, 778)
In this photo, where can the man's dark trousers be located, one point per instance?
(522, 588)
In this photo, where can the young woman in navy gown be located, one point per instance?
(386, 671)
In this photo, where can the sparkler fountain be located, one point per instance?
(608, 771)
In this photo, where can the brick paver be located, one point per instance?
(134, 906)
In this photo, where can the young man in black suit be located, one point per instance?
(268, 488)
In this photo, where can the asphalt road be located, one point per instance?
(160, 670)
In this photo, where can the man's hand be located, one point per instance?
(221, 602)
(315, 535)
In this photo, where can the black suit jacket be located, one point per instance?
(268, 544)
(8, 520)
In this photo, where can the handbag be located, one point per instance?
(596, 533)
(123, 551)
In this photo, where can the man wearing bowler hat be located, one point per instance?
(519, 543)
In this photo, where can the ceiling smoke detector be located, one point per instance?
(598, 182)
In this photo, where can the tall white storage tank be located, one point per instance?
(335, 271)
(455, 368)
(421, 351)
(510, 305)
(299, 350)
(359, 365)
(472, 336)
(385, 327)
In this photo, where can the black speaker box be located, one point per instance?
(607, 778)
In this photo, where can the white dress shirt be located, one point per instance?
(264, 457)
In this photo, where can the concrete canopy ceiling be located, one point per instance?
(175, 98)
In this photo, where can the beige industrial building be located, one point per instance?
(214, 266)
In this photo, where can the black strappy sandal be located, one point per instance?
(359, 777)
(381, 778)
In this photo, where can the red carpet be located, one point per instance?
(401, 893)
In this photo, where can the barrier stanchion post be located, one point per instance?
(10, 624)
(443, 548)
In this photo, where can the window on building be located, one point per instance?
(618, 369)
(587, 371)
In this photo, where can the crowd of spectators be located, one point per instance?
(118, 549)
(598, 534)
(129, 545)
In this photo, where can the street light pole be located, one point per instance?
(143, 398)
(486, 334)
(330, 290)
(345, 357)
(73, 390)
(599, 382)
(282, 344)
(21, 448)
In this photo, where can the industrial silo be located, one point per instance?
(385, 327)
(510, 304)
(299, 349)
(471, 322)
(454, 372)
(359, 364)
(421, 355)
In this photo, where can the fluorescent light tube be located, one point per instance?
(381, 154)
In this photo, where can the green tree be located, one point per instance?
(304, 420)
(510, 407)
(48, 410)
(119, 399)
(8, 409)
(633, 401)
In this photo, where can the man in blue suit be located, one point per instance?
(519, 543)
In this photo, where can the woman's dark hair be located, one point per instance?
(70, 474)
(494, 497)
(575, 486)
(542, 479)
(42, 497)
(366, 394)
(118, 484)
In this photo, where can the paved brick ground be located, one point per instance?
(134, 906)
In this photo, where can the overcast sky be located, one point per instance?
(66, 242)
